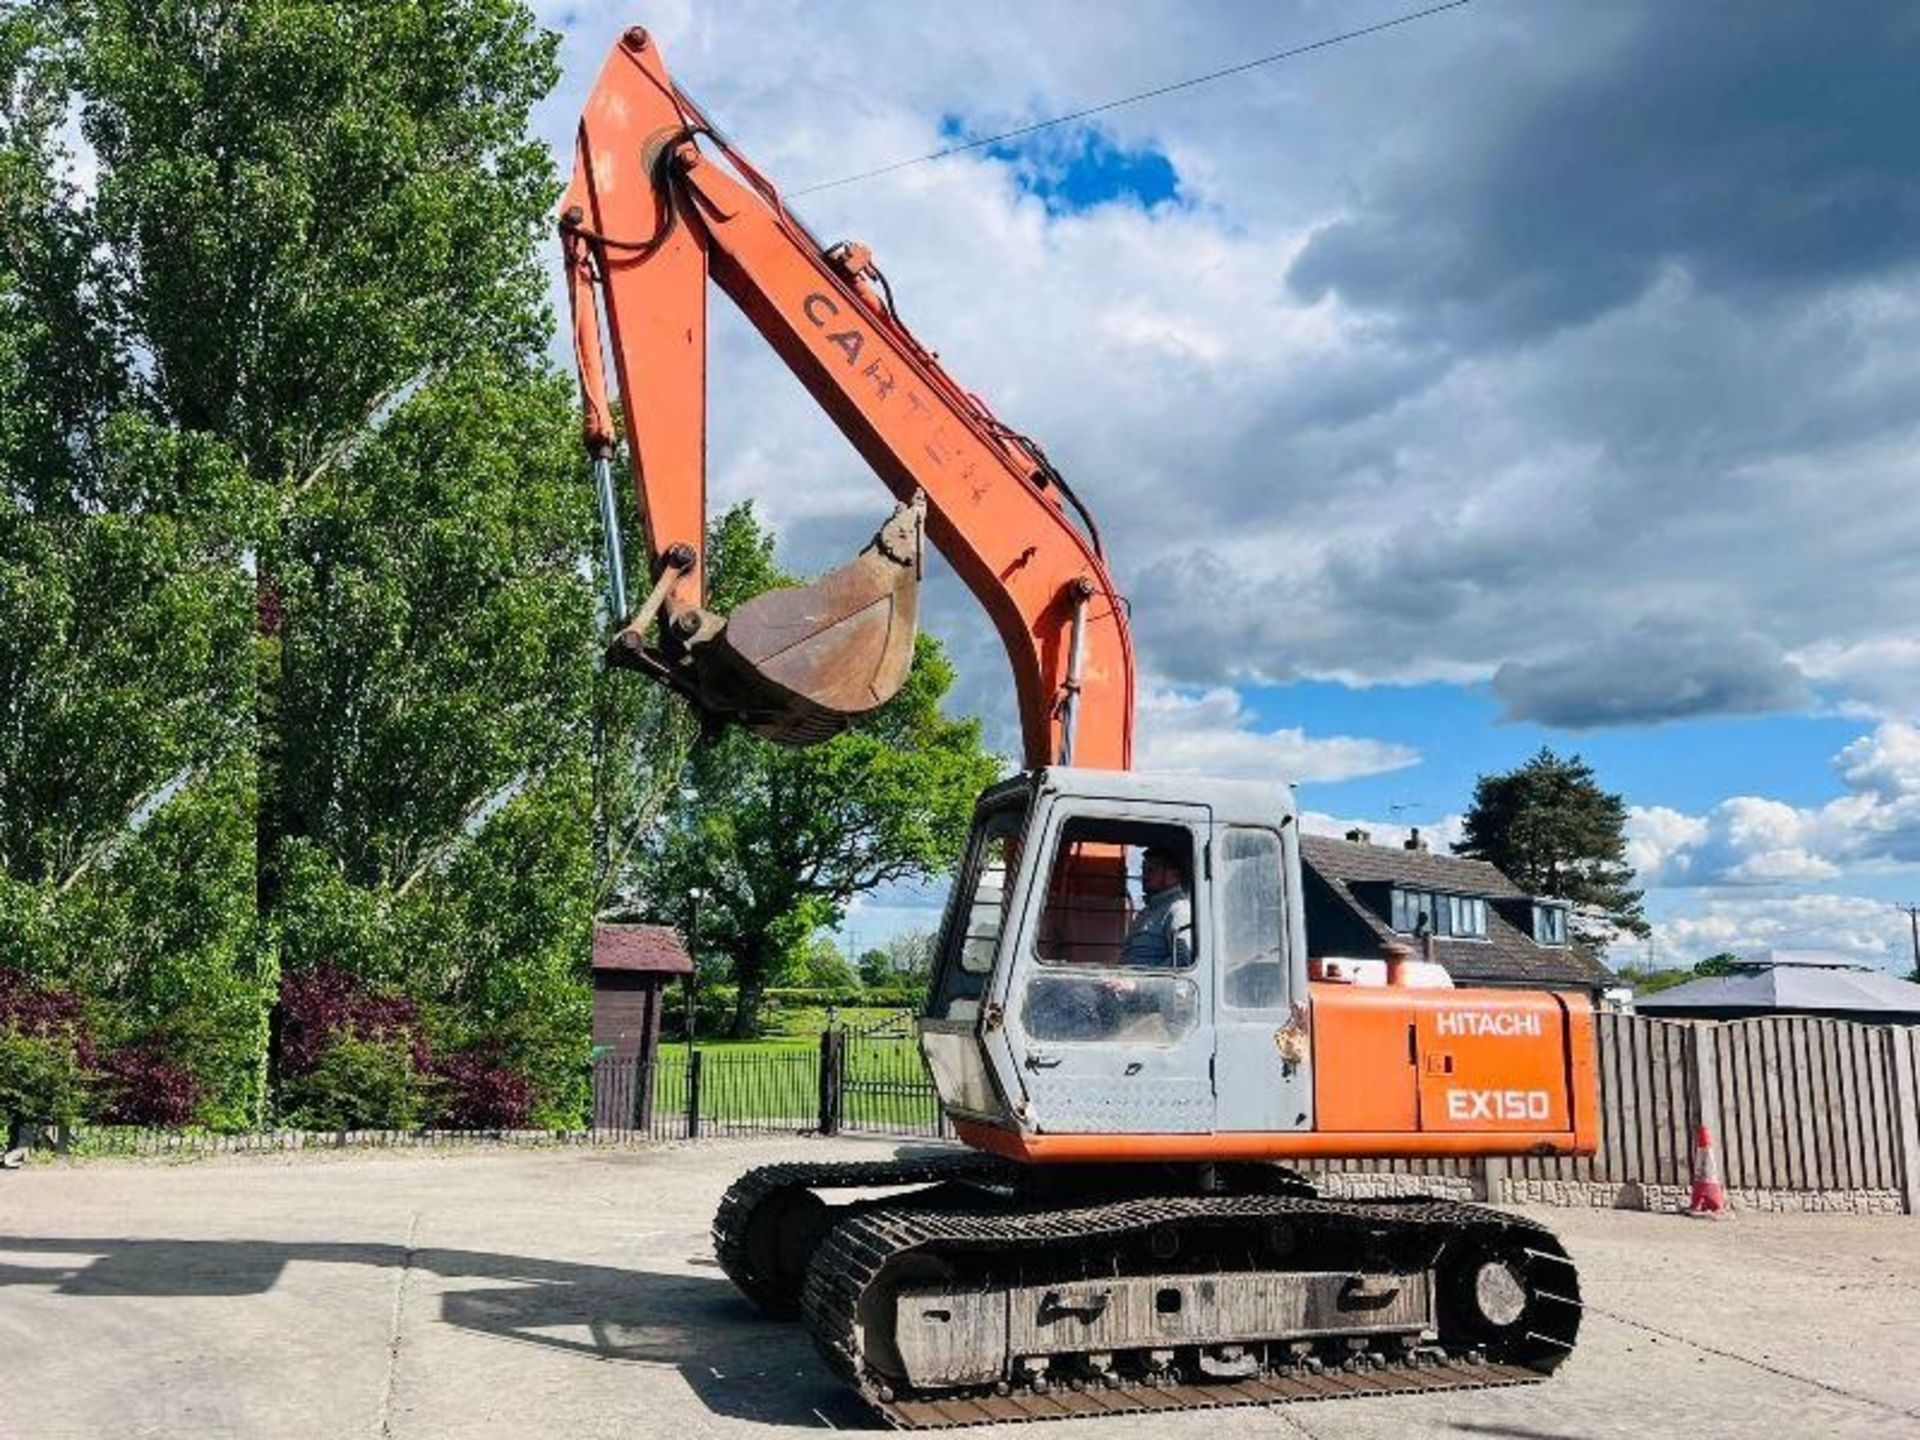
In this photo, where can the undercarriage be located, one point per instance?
(995, 1292)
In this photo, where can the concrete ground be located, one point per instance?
(574, 1294)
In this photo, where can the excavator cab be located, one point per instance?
(1114, 942)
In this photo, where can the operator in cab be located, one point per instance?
(1161, 935)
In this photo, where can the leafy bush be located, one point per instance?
(319, 1007)
(788, 996)
(42, 1012)
(357, 1084)
(713, 1009)
(140, 1086)
(42, 1081)
(476, 1090)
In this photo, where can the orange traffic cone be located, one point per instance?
(1709, 1196)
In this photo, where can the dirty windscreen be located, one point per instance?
(977, 912)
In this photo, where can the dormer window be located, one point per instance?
(1454, 916)
(1550, 924)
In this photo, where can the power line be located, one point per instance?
(1106, 105)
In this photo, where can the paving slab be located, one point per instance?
(573, 1293)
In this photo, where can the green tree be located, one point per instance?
(127, 787)
(823, 967)
(311, 207)
(282, 364)
(1551, 828)
(875, 969)
(1650, 980)
(781, 840)
(910, 954)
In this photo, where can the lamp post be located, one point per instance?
(694, 896)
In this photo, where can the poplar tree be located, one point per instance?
(294, 512)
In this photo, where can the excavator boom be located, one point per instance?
(648, 219)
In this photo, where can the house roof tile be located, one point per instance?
(1508, 956)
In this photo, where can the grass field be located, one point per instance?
(801, 1026)
(751, 1084)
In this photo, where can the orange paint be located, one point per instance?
(1301, 1145)
(1399, 1073)
(656, 219)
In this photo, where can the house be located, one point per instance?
(1486, 930)
(1792, 982)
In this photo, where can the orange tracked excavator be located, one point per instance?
(1123, 1024)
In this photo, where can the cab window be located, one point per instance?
(1252, 919)
(1116, 936)
(1119, 893)
(977, 913)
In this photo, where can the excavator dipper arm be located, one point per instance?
(648, 217)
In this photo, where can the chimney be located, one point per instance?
(1359, 836)
(1414, 842)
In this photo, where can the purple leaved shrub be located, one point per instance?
(326, 1002)
(475, 1090)
(139, 1086)
(39, 1011)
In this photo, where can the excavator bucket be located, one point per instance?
(798, 665)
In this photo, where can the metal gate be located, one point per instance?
(884, 1087)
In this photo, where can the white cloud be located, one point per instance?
(1880, 677)
(1885, 764)
(1658, 841)
(1210, 732)
(1754, 840)
(1868, 930)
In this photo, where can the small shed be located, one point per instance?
(1792, 982)
(632, 966)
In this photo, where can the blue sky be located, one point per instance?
(1074, 167)
(1528, 375)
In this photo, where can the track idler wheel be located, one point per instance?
(781, 1235)
(1518, 1303)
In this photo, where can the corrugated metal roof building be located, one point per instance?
(1792, 982)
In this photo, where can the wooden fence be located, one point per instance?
(1798, 1106)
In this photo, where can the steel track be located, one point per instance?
(998, 1225)
(733, 1223)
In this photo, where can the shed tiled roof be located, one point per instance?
(651, 949)
(1341, 922)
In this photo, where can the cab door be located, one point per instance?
(1107, 1031)
(1262, 1072)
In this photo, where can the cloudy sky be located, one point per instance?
(1533, 373)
